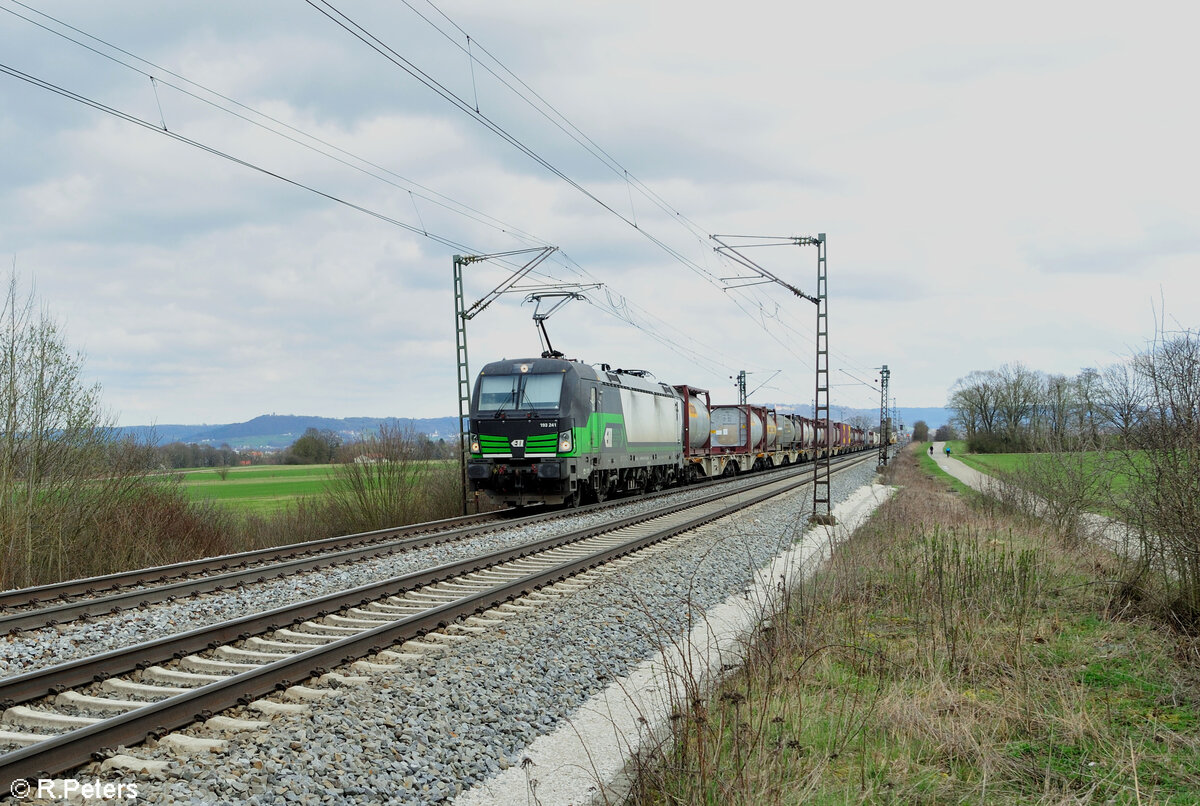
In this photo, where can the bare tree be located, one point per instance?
(1088, 394)
(1057, 409)
(1121, 400)
(59, 462)
(974, 400)
(1018, 393)
(1162, 460)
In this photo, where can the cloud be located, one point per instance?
(1121, 253)
(993, 190)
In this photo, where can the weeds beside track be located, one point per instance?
(948, 653)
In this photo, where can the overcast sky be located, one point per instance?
(998, 183)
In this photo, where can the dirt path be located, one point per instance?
(967, 475)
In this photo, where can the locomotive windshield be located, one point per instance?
(519, 392)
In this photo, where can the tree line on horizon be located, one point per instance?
(1015, 409)
(315, 446)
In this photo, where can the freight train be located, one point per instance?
(556, 431)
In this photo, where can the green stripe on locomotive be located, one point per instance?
(586, 440)
(590, 438)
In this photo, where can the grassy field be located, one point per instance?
(993, 462)
(957, 446)
(1109, 464)
(948, 653)
(259, 489)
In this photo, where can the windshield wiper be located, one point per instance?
(511, 396)
(525, 397)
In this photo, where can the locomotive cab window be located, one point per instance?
(520, 392)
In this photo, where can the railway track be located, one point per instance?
(53, 600)
(35, 608)
(123, 696)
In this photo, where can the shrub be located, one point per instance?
(392, 484)
(991, 442)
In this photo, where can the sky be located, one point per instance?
(997, 183)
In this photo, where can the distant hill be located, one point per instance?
(277, 431)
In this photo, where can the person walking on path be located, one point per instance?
(931, 449)
(947, 450)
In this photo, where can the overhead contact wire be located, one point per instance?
(366, 37)
(450, 204)
(94, 104)
(575, 133)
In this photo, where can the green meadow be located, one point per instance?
(260, 489)
(1114, 470)
(1111, 464)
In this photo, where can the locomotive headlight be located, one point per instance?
(566, 442)
(474, 444)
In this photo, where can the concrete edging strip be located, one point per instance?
(591, 750)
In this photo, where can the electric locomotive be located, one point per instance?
(551, 430)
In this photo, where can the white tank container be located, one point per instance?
(729, 427)
(803, 432)
(699, 423)
(786, 429)
(808, 434)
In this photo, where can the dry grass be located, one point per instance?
(949, 653)
(90, 530)
(148, 522)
